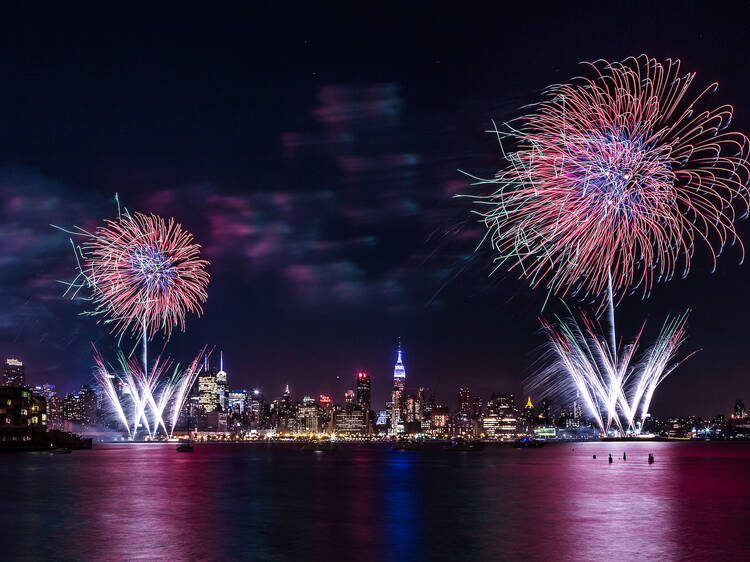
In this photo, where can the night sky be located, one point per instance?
(315, 155)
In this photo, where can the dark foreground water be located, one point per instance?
(276, 502)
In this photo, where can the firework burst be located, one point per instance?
(144, 272)
(617, 175)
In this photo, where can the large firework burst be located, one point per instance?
(144, 272)
(617, 175)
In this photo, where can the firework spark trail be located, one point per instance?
(154, 400)
(615, 178)
(105, 380)
(186, 383)
(612, 392)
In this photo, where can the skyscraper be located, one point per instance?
(208, 396)
(397, 396)
(238, 401)
(464, 402)
(364, 392)
(222, 390)
(13, 373)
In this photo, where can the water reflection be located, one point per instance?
(277, 502)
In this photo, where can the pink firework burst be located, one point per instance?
(145, 273)
(617, 175)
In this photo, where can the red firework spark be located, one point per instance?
(145, 273)
(619, 173)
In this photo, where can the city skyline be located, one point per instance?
(359, 385)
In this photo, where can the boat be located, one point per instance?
(320, 446)
(60, 451)
(527, 443)
(407, 445)
(459, 444)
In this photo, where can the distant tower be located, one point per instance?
(13, 373)
(397, 397)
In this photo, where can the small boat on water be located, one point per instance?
(459, 444)
(320, 446)
(60, 451)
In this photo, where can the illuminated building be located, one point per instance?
(23, 416)
(88, 401)
(208, 396)
(381, 423)
(364, 386)
(55, 413)
(326, 413)
(464, 402)
(349, 399)
(419, 406)
(238, 401)
(47, 391)
(13, 373)
(397, 396)
(222, 390)
(350, 421)
(501, 419)
(256, 408)
(308, 417)
(439, 418)
(410, 409)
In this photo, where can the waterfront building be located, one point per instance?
(13, 373)
(397, 395)
(23, 415)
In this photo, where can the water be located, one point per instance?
(275, 502)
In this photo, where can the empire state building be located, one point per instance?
(397, 397)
